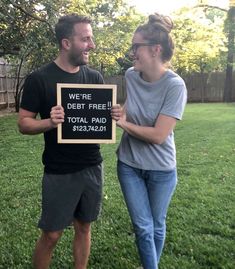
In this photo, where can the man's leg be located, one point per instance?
(44, 249)
(82, 244)
(87, 210)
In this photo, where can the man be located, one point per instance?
(72, 180)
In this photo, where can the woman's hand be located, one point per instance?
(118, 113)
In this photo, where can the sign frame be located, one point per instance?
(64, 86)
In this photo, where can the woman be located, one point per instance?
(156, 97)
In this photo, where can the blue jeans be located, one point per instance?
(147, 195)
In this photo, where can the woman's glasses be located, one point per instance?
(134, 47)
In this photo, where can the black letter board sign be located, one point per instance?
(87, 110)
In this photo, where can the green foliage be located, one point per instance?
(114, 24)
(32, 32)
(201, 44)
(200, 221)
(200, 41)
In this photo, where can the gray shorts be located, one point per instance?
(71, 196)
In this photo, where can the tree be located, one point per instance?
(229, 30)
(27, 30)
(28, 26)
(231, 50)
(114, 24)
(200, 42)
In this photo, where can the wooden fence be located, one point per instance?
(201, 87)
(6, 86)
(207, 87)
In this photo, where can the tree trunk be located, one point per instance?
(229, 70)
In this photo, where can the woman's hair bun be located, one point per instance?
(160, 21)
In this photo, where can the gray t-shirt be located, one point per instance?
(145, 101)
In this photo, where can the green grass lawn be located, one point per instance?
(201, 218)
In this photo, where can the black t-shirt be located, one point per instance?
(39, 96)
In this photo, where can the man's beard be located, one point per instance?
(76, 59)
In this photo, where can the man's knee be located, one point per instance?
(82, 227)
(51, 238)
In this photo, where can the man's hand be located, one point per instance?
(57, 115)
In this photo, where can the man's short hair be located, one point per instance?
(65, 25)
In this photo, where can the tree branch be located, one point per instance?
(212, 7)
(31, 15)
